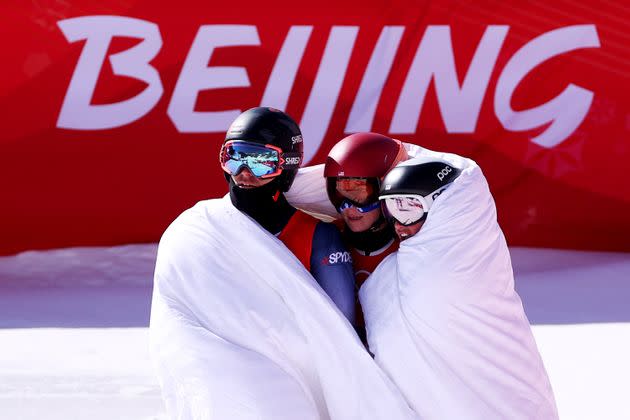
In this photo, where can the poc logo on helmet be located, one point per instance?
(447, 170)
(293, 160)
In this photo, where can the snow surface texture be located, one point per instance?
(73, 332)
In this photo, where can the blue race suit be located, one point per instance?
(325, 256)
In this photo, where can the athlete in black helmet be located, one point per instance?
(408, 191)
(238, 326)
(444, 320)
(260, 157)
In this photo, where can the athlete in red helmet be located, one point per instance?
(354, 169)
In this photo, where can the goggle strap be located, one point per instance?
(290, 160)
(362, 209)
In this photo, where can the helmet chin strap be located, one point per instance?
(376, 237)
(266, 204)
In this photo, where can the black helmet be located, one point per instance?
(423, 179)
(270, 126)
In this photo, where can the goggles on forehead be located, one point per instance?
(407, 209)
(346, 204)
(263, 160)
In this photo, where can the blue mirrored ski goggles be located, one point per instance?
(263, 160)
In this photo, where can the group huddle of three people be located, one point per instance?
(403, 308)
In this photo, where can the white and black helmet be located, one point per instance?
(407, 191)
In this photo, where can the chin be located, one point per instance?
(356, 227)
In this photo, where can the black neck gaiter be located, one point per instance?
(368, 241)
(259, 204)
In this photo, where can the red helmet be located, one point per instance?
(362, 155)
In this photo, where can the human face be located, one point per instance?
(247, 180)
(405, 232)
(360, 191)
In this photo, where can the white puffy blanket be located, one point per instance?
(444, 321)
(240, 330)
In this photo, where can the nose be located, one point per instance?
(352, 212)
(244, 174)
(246, 177)
(400, 229)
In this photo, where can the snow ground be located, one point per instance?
(73, 332)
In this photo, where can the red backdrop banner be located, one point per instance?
(113, 114)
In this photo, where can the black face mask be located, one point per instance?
(368, 241)
(260, 204)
